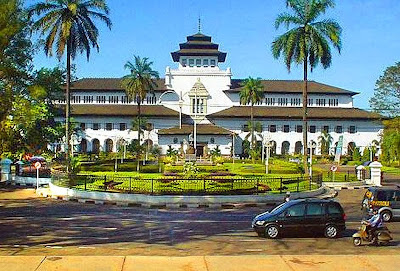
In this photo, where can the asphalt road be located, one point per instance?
(36, 226)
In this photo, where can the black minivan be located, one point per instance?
(302, 215)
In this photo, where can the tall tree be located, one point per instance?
(386, 99)
(251, 93)
(69, 25)
(138, 83)
(307, 43)
(15, 66)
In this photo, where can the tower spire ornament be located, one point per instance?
(199, 24)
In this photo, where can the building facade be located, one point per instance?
(197, 104)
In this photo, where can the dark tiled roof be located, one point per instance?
(292, 86)
(108, 84)
(296, 113)
(122, 110)
(202, 129)
(198, 45)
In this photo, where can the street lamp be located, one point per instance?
(312, 145)
(268, 144)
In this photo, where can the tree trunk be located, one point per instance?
(305, 126)
(68, 107)
(252, 126)
(138, 153)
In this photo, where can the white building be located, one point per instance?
(198, 91)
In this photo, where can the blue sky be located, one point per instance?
(245, 30)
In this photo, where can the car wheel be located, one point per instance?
(386, 215)
(272, 231)
(357, 241)
(331, 231)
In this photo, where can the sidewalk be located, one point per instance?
(201, 263)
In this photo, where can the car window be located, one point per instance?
(381, 196)
(314, 209)
(334, 209)
(296, 210)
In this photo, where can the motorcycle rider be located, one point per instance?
(373, 223)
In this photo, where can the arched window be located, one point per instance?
(298, 147)
(83, 146)
(273, 148)
(96, 146)
(285, 148)
(109, 145)
(350, 148)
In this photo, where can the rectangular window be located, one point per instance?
(191, 62)
(245, 128)
(184, 62)
(83, 126)
(339, 129)
(299, 128)
(212, 62)
(272, 128)
(314, 209)
(205, 62)
(286, 128)
(310, 102)
(109, 126)
(198, 62)
(352, 129)
(282, 101)
(122, 126)
(96, 126)
(294, 101)
(312, 129)
(320, 102)
(270, 101)
(325, 129)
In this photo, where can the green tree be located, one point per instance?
(251, 93)
(307, 43)
(356, 154)
(138, 83)
(391, 141)
(386, 99)
(69, 26)
(15, 66)
(325, 140)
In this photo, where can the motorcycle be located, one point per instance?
(381, 235)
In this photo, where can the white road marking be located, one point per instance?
(254, 250)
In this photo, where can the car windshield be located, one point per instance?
(279, 208)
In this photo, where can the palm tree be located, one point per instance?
(325, 139)
(68, 24)
(251, 93)
(307, 43)
(138, 83)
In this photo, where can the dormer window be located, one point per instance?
(212, 62)
(198, 62)
(184, 62)
(191, 62)
(205, 62)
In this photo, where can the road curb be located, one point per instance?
(176, 202)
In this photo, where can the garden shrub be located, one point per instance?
(149, 169)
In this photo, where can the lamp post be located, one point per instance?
(268, 144)
(312, 146)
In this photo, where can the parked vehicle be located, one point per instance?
(386, 199)
(302, 215)
(381, 235)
